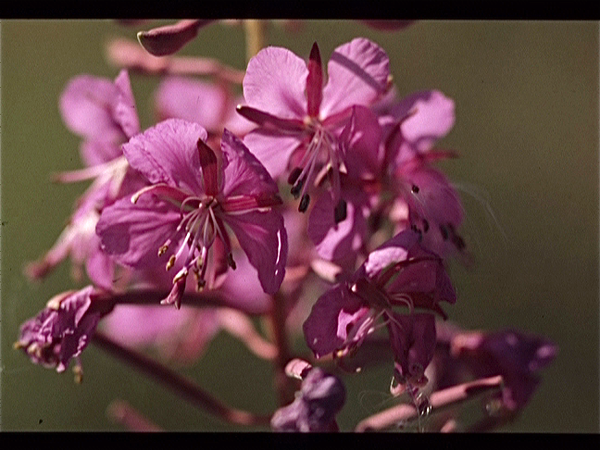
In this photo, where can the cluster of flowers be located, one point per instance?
(236, 204)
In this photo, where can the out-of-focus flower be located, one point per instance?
(103, 113)
(320, 398)
(209, 104)
(61, 331)
(400, 273)
(301, 114)
(519, 357)
(194, 193)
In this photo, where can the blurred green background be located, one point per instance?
(526, 98)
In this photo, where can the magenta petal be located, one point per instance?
(275, 81)
(95, 152)
(314, 81)
(272, 148)
(243, 173)
(362, 137)
(168, 153)
(263, 238)
(358, 74)
(336, 241)
(413, 340)
(132, 233)
(391, 252)
(99, 266)
(321, 326)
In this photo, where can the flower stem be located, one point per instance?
(255, 36)
(182, 386)
(284, 385)
(439, 401)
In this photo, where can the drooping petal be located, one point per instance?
(132, 233)
(321, 326)
(272, 148)
(263, 238)
(413, 340)
(358, 74)
(275, 81)
(168, 153)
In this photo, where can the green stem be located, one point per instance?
(255, 36)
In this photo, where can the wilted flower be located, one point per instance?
(61, 331)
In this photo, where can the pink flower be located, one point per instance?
(194, 192)
(400, 273)
(300, 114)
(103, 113)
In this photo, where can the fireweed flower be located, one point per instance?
(103, 114)
(194, 192)
(300, 116)
(61, 331)
(320, 398)
(400, 273)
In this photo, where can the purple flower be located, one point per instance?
(400, 273)
(103, 114)
(519, 357)
(300, 115)
(320, 398)
(61, 331)
(194, 193)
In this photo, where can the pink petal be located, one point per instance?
(94, 152)
(86, 108)
(275, 81)
(362, 138)
(132, 233)
(392, 251)
(358, 74)
(314, 81)
(272, 148)
(124, 110)
(263, 238)
(168, 153)
(191, 100)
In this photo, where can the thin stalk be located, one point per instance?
(284, 385)
(255, 36)
(182, 386)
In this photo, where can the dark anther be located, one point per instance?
(294, 174)
(425, 226)
(415, 189)
(304, 203)
(230, 261)
(444, 232)
(296, 189)
(339, 213)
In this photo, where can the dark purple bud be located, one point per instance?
(320, 398)
(169, 39)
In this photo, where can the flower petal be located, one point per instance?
(275, 81)
(168, 153)
(358, 74)
(132, 233)
(263, 238)
(125, 112)
(272, 148)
